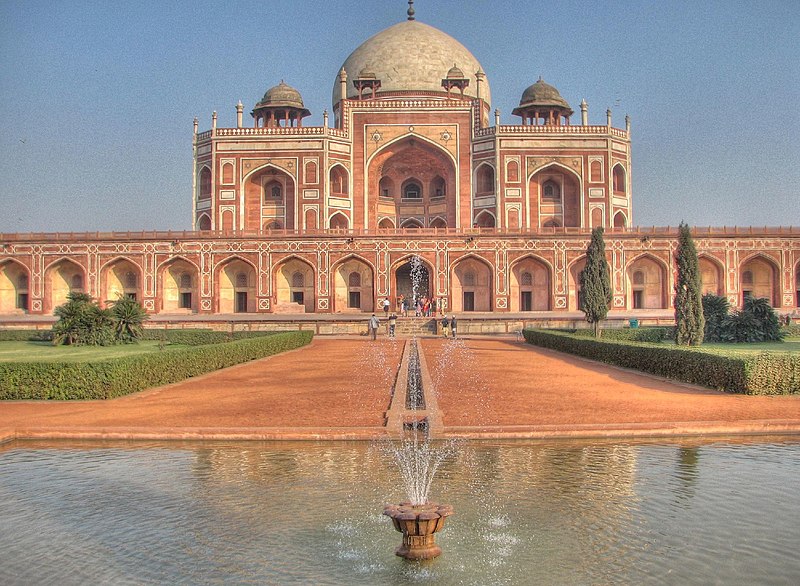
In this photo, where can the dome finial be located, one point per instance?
(410, 10)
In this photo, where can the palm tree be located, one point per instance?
(129, 317)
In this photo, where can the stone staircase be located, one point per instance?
(415, 326)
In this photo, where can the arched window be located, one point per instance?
(185, 281)
(339, 181)
(551, 192)
(298, 280)
(638, 278)
(241, 280)
(747, 277)
(596, 172)
(438, 188)
(485, 180)
(619, 180)
(354, 279)
(273, 191)
(311, 172)
(227, 173)
(412, 190)
(204, 223)
(205, 183)
(526, 279)
(438, 223)
(130, 280)
(77, 283)
(469, 279)
(619, 220)
(512, 172)
(386, 187)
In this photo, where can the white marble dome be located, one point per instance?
(411, 56)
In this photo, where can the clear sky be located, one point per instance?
(97, 98)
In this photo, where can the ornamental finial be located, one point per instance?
(410, 10)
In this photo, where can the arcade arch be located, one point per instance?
(61, 278)
(120, 278)
(236, 286)
(711, 276)
(471, 285)
(294, 284)
(646, 284)
(179, 280)
(353, 286)
(530, 285)
(14, 288)
(556, 193)
(758, 277)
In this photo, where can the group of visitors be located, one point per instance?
(449, 324)
(423, 306)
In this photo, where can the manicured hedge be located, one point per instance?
(198, 337)
(122, 376)
(656, 334)
(26, 335)
(765, 373)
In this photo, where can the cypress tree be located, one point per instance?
(595, 282)
(689, 320)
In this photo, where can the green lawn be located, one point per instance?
(46, 352)
(788, 345)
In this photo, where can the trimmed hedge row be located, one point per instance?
(765, 373)
(198, 337)
(122, 376)
(26, 335)
(656, 334)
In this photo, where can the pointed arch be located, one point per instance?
(386, 223)
(471, 284)
(203, 222)
(647, 282)
(235, 285)
(339, 180)
(14, 287)
(575, 294)
(759, 276)
(619, 180)
(294, 284)
(530, 284)
(484, 179)
(353, 294)
(413, 223)
(120, 277)
(204, 181)
(339, 221)
(272, 192)
(485, 219)
(620, 221)
(411, 279)
(438, 222)
(178, 281)
(62, 277)
(712, 275)
(565, 210)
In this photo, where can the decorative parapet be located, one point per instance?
(530, 130)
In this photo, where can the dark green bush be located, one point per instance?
(122, 376)
(791, 331)
(766, 373)
(656, 334)
(26, 336)
(198, 337)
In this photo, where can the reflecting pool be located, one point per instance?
(726, 512)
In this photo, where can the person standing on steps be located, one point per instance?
(386, 306)
(392, 324)
(445, 326)
(374, 323)
(453, 324)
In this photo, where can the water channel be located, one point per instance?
(724, 512)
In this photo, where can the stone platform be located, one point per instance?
(339, 388)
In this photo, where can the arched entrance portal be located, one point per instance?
(413, 281)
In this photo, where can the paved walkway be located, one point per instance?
(339, 388)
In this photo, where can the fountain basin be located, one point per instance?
(418, 524)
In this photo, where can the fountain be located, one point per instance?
(417, 459)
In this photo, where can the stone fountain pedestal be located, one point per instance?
(418, 524)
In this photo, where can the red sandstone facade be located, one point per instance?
(291, 218)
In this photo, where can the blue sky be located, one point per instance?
(97, 98)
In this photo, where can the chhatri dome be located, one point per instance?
(411, 56)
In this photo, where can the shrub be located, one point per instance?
(198, 337)
(657, 334)
(715, 311)
(122, 376)
(26, 335)
(756, 322)
(751, 373)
